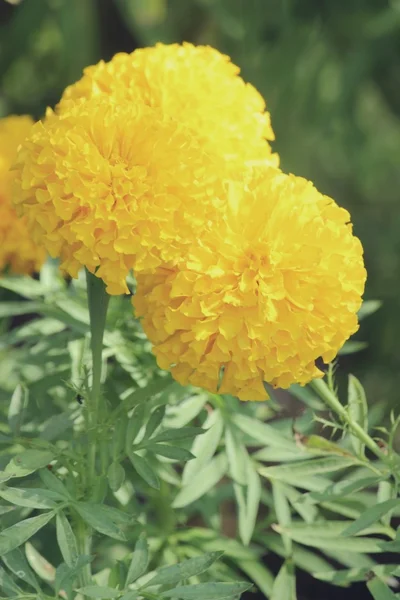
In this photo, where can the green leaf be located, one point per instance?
(24, 286)
(379, 590)
(261, 432)
(97, 591)
(154, 421)
(358, 411)
(350, 347)
(344, 577)
(172, 452)
(283, 513)
(8, 585)
(324, 446)
(66, 539)
(237, 456)
(371, 516)
(172, 435)
(204, 446)
(12, 309)
(27, 462)
(19, 401)
(55, 484)
(341, 489)
(285, 583)
(208, 591)
(188, 568)
(248, 499)
(135, 424)
(368, 308)
(386, 491)
(30, 497)
(115, 476)
(324, 539)
(18, 534)
(143, 468)
(139, 562)
(130, 595)
(303, 468)
(101, 518)
(201, 483)
(257, 573)
(185, 412)
(66, 576)
(17, 563)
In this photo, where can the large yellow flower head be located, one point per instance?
(114, 186)
(275, 287)
(18, 253)
(197, 85)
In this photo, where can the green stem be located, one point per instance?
(84, 540)
(98, 304)
(331, 400)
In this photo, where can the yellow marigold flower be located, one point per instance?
(274, 288)
(195, 84)
(17, 250)
(112, 187)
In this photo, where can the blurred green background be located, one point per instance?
(329, 70)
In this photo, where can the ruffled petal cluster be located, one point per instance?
(274, 288)
(18, 253)
(115, 187)
(196, 85)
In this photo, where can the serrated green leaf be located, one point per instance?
(285, 583)
(97, 591)
(341, 489)
(323, 446)
(12, 309)
(257, 573)
(358, 411)
(101, 518)
(201, 483)
(28, 462)
(115, 476)
(205, 446)
(8, 585)
(172, 435)
(248, 500)
(184, 412)
(379, 590)
(143, 468)
(66, 576)
(18, 403)
(30, 497)
(283, 513)
(261, 432)
(66, 539)
(188, 568)
(172, 452)
(139, 562)
(17, 534)
(208, 591)
(309, 536)
(304, 468)
(52, 482)
(135, 424)
(237, 456)
(372, 515)
(154, 421)
(17, 563)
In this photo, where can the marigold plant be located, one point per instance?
(276, 286)
(18, 252)
(112, 187)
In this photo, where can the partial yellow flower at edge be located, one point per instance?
(116, 186)
(265, 295)
(18, 253)
(195, 84)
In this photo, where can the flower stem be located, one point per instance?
(332, 401)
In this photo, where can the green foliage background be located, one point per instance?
(329, 71)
